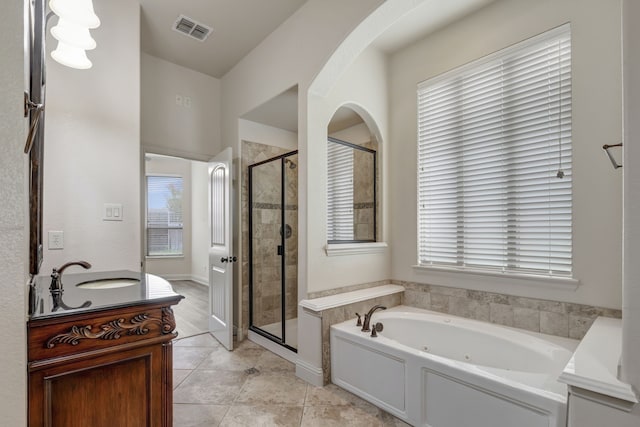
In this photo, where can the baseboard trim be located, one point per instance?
(200, 280)
(309, 373)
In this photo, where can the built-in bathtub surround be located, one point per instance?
(536, 315)
(434, 369)
(548, 317)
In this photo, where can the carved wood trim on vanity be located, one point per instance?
(113, 330)
(168, 320)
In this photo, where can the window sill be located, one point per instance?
(163, 256)
(339, 249)
(531, 280)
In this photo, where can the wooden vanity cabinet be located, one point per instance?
(102, 368)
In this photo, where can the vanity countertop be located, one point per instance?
(146, 288)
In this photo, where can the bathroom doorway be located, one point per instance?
(175, 229)
(273, 249)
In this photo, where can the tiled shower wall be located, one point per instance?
(267, 223)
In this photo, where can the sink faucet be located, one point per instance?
(367, 317)
(56, 287)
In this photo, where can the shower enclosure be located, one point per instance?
(273, 249)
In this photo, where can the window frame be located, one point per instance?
(146, 213)
(562, 279)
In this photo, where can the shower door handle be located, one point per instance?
(280, 250)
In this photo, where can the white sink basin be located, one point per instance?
(108, 283)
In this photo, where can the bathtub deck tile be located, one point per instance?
(501, 314)
(554, 323)
(526, 318)
(579, 325)
(417, 299)
(439, 303)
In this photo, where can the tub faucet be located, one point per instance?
(367, 317)
(57, 289)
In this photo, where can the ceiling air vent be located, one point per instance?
(191, 28)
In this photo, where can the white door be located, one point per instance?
(221, 256)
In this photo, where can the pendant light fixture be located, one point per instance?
(76, 18)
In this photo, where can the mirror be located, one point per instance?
(351, 180)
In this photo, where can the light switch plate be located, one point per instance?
(112, 212)
(56, 240)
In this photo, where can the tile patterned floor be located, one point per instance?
(253, 387)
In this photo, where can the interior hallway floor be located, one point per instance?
(192, 312)
(251, 386)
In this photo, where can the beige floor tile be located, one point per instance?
(190, 357)
(273, 389)
(185, 415)
(240, 359)
(338, 416)
(271, 362)
(262, 416)
(202, 340)
(332, 395)
(389, 420)
(210, 387)
(179, 375)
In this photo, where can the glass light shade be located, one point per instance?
(71, 56)
(73, 34)
(79, 12)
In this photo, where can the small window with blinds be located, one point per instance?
(340, 187)
(164, 215)
(494, 162)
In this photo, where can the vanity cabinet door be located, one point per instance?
(124, 388)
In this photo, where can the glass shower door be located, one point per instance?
(266, 247)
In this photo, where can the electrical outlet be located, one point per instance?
(56, 240)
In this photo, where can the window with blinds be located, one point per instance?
(164, 215)
(340, 189)
(494, 162)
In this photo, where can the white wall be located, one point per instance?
(200, 222)
(358, 134)
(13, 219)
(631, 170)
(178, 267)
(362, 86)
(290, 55)
(185, 130)
(268, 135)
(92, 147)
(596, 121)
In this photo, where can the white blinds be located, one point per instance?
(339, 192)
(164, 215)
(493, 137)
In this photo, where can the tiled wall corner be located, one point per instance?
(346, 312)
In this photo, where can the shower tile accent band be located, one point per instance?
(259, 205)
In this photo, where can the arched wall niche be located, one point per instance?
(353, 177)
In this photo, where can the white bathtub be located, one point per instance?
(437, 370)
